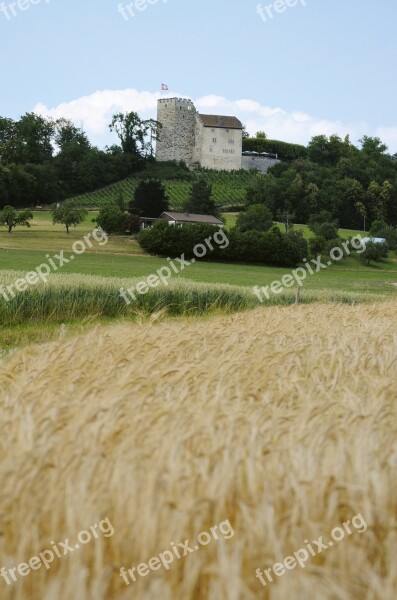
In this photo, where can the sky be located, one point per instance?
(291, 68)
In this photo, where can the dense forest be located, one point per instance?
(357, 186)
(45, 161)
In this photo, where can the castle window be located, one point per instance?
(227, 130)
(231, 141)
(211, 149)
(214, 140)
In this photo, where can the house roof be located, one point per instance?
(192, 218)
(220, 121)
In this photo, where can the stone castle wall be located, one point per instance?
(178, 117)
(260, 163)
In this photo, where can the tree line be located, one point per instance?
(356, 185)
(43, 160)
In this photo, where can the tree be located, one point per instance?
(374, 147)
(132, 224)
(263, 189)
(66, 134)
(10, 218)
(200, 201)
(373, 252)
(362, 211)
(323, 225)
(28, 140)
(68, 214)
(257, 217)
(261, 135)
(150, 199)
(381, 229)
(286, 217)
(131, 132)
(111, 218)
(153, 129)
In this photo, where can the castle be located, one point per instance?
(208, 141)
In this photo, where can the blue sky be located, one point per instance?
(320, 66)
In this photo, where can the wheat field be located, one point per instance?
(281, 420)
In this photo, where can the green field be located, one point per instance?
(86, 290)
(24, 249)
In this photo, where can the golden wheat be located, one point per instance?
(281, 420)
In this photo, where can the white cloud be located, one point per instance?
(94, 113)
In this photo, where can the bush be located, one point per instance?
(317, 245)
(111, 218)
(374, 252)
(257, 217)
(132, 224)
(284, 150)
(323, 225)
(271, 247)
(383, 230)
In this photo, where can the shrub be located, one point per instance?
(131, 223)
(111, 218)
(383, 230)
(317, 245)
(374, 252)
(271, 247)
(257, 217)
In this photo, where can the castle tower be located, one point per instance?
(177, 136)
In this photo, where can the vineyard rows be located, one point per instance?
(227, 189)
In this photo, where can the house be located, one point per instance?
(179, 219)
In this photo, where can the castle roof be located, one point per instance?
(220, 121)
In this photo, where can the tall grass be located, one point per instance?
(77, 296)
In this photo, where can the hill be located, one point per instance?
(229, 189)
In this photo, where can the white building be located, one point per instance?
(209, 141)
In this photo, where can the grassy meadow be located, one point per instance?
(281, 421)
(86, 290)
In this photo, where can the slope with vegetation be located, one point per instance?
(229, 189)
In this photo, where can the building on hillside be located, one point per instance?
(208, 141)
(178, 219)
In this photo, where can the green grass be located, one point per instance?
(347, 275)
(25, 249)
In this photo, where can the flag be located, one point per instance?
(164, 87)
